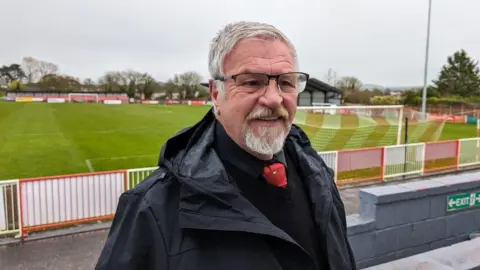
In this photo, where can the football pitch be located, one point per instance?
(39, 139)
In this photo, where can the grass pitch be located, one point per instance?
(39, 139)
(50, 139)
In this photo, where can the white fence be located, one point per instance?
(403, 159)
(9, 207)
(135, 176)
(331, 159)
(57, 201)
(469, 152)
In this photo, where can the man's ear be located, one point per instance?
(214, 94)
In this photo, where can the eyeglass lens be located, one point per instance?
(288, 82)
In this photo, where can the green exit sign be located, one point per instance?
(463, 201)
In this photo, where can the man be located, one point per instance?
(243, 188)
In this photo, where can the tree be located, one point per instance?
(356, 96)
(431, 92)
(385, 100)
(170, 88)
(30, 66)
(36, 69)
(349, 82)
(203, 93)
(88, 82)
(133, 78)
(131, 82)
(114, 81)
(89, 85)
(16, 85)
(131, 88)
(146, 86)
(187, 83)
(62, 83)
(411, 97)
(108, 82)
(12, 72)
(46, 68)
(460, 76)
(378, 92)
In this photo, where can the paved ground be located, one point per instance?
(81, 251)
(62, 253)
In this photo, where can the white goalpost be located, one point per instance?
(82, 97)
(332, 127)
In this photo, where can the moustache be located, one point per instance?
(266, 112)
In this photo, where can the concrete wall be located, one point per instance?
(464, 255)
(402, 220)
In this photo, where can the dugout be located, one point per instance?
(317, 91)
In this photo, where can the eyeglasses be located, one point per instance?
(290, 82)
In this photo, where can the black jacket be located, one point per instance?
(188, 214)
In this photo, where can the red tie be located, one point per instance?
(275, 174)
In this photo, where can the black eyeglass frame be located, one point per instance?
(270, 77)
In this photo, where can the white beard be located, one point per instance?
(270, 140)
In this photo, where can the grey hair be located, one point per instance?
(231, 34)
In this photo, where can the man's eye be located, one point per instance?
(252, 83)
(287, 83)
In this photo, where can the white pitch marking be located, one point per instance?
(89, 165)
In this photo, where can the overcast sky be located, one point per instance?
(378, 41)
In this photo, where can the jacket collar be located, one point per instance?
(208, 198)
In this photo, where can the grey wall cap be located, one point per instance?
(426, 188)
(385, 194)
(461, 182)
(419, 189)
(357, 224)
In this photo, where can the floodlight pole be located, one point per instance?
(425, 75)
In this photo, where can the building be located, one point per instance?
(316, 91)
(319, 92)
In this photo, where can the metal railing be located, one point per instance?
(9, 207)
(135, 176)
(59, 201)
(404, 159)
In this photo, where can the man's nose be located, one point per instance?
(271, 98)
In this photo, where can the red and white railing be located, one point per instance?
(385, 163)
(36, 204)
(47, 202)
